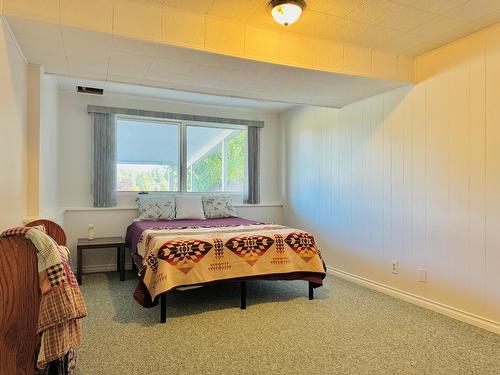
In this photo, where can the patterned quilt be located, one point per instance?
(61, 303)
(199, 255)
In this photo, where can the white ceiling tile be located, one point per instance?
(87, 52)
(375, 35)
(473, 10)
(43, 10)
(198, 6)
(124, 44)
(484, 21)
(313, 23)
(123, 79)
(236, 10)
(185, 55)
(165, 70)
(343, 30)
(85, 44)
(434, 6)
(137, 20)
(407, 19)
(184, 86)
(403, 43)
(436, 27)
(201, 72)
(84, 69)
(350, 21)
(375, 11)
(157, 2)
(128, 64)
(338, 8)
(41, 43)
(92, 14)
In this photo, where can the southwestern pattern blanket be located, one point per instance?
(198, 255)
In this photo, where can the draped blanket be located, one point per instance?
(200, 255)
(61, 304)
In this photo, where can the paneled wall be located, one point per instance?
(411, 175)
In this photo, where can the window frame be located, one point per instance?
(182, 146)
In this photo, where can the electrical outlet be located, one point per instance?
(395, 267)
(422, 275)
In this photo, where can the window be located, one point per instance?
(147, 155)
(215, 159)
(156, 155)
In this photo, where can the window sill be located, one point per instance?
(129, 208)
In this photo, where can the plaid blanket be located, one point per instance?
(198, 255)
(61, 304)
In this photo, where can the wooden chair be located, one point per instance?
(20, 300)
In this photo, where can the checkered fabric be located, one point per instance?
(16, 231)
(56, 274)
(60, 336)
(21, 231)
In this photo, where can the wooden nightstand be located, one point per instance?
(101, 243)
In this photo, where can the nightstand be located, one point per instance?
(101, 243)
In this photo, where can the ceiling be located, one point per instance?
(70, 84)
(409, 27)
(82, 53)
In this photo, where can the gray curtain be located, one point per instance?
(252, 193)
(104, 160)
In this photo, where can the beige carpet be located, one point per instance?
(347, 329)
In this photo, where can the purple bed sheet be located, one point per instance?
(134, 230)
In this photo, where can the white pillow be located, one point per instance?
(154, 207)
(189, 207)
(218, 207)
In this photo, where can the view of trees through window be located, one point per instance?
(216, 173)
(148, 157)
(147, 177)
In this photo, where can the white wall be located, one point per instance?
(33, 142)
(43, 145)
(75, 142)
(49, 148)
(75, 168)
(13, 130)
(411, 175)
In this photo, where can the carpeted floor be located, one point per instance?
(347, 329)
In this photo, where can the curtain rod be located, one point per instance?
(174, 116)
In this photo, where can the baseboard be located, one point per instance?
(435, 306)
(104, 267)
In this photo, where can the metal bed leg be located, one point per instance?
(243, 295)
(163, 303)
(311, 291)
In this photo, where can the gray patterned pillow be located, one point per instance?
(218, 206)
(156, 207)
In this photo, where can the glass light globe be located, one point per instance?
(286, 14)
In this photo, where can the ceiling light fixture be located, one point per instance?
(286, 12)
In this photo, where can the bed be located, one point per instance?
(175, 254)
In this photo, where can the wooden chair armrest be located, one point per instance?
(54, 230)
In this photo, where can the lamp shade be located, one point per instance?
(286, 12)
